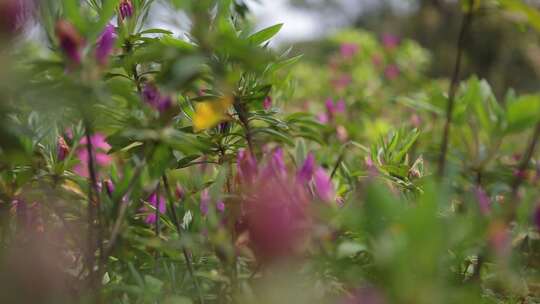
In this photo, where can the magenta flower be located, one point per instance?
(62, 148)
(100, 148)
(154, 99)
(109, 187)
(277, 217)
(220, 206)
(151, 218)
(179, 192)
(323, 185)
(246, 166)
(267, 103)
(277, 162)
(348, 50)
(484, 202)
(105, 44)
(204, 204)
(71, 42)
(391, 72)
(332, 108)
(306, 172)
(323, 118)
(390, 41)
(126, 9)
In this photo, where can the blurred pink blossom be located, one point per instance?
(348, 50)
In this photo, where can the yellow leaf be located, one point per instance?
(210, 113)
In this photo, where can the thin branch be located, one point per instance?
(467, 21)
(187, 257)
(94, 206)
(524, 163)
(122, 211)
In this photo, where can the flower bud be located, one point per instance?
(105, 44)
(126, 9)
(70, 41)
(324, 186)
(62, 149)
(267, 103)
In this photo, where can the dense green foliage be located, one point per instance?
(137, 166)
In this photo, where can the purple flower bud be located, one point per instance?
(484, 202)
(324, 186)
(109, 187)
(220, 206)
(267, 103)
(205, 202)
(306, 172)
(179, 192)
(126, 9)
(71, 42)
(348, 50)
(277, 162)
(323, 118)
(246, 166)
(330, 106)
(105, 44)
(161, 206)
(154, 99)
(164, 104)
(62, 149)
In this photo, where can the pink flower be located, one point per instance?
(324, 186)
(267, 103)
(99, 146)
(484, 202)
(348, 50)
(109, 187)
(220, 206)
(306, 172)
(390, 41)
(160, 204)
(277, 217)
(105, 44)
(323, 118)
(71, 42)
(246, 166)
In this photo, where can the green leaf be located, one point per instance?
(523, 113)
(265, 34)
